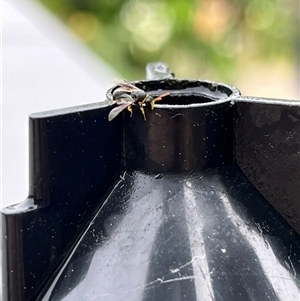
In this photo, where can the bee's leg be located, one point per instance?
(153, 101)
(129, 108)
(140, 104)
(143, 112)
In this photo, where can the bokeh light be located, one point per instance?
(85, 25)
(150, 24)
(210, 39)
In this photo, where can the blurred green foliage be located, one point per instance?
(196, 38)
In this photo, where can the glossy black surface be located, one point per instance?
(268, 152)
(206, 236)
(179, 139)
(183, 222)
(75, 156)
(153, 210)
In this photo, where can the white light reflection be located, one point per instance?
(199, 262)
(115, 275)
(278, 276)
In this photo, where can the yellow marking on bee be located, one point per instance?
(129, 108)
(143, 112)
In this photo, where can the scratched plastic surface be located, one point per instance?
(188, 239)
(182, 222)
(171, 208)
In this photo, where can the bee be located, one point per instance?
(126, 95)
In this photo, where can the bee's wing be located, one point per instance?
(117, 110)
(109, 97)
(124, 99)
(125, 84)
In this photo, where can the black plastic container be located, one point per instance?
(177, 207)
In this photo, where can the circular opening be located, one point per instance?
(187, 92)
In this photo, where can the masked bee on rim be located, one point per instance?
(126, 95)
